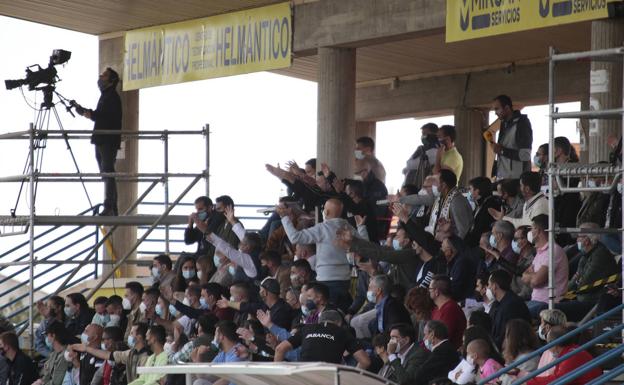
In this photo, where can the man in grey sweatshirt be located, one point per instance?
(332, 266)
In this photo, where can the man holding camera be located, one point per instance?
(107, 116)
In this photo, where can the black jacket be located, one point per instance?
(482, 220)
(462, 272)
(404, 374)
(22, 370)
(510, 307)
(281, 312)
(107, 116)
(76, 325)
(440, 362)
(393, 313)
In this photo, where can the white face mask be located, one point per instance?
(428, 345)
(435, 190)
(142, 307)
(199, 274)
(155, 272)
(540, 333)
(370, 296)
(470, 360)
(66, 356)
(168, 348)
(186, 302)
(114, 320)
(357, 177)
(530, 237)
(126, 304)
(358, 154)
(490, 295)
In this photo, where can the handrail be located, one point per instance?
(576, 373)
(568, 355)
(618, 370)
(549, 345)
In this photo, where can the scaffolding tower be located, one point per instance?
(565, 174)
(113, 222)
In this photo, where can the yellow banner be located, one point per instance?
(470, 19)
(253, 40)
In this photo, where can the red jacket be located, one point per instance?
(567, 366)
(453, 317)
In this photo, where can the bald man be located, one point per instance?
(332, 266)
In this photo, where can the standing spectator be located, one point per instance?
(448, 158)
(51, 310)
(162, 271)
(537, 274)
(332, 266)
(373, 189)
(421, 163)
(515, 139)
(365, 149)
(507, 305)
(199, 221)
(451, 212)
(446, 310)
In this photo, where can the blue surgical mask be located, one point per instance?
(203, 304)
(172, 310)
(492, 240)
(537, 162)
(579, 246)
(370, 296)
(131, 341)
(69, 311)
(48, 342)
(428, 345)
(217, 261)
(202, 215)
(231, 270)
(435, 190)
(84, 338)
(515, 247)
(396, 245)
(304, 310)
(158, 310)
(188, 274)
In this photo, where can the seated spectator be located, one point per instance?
(594, 205)
(482, 289)
(205, 334)
(478, 354)
(365, 149)
(324, 341)
(162, 272)
(513, 202)
(432, 264)
(447, 310)
(466, 371)
(388, 310)
(89, 364)
(549, 319)
(317, 301)
(78, 313)
(132, 358)
(596, 263)
(520, 340)
(132, 300)
(245, 258)
(526, 254)
(306, 252)
(51, 310)
(109, 372)
(185, 273)
(226, 341)
(301, 273)
(101, 317)
(491, 256)
(272, 262)
(501, 240)
(507, 305)
(537, 274)
(460, 268)
(420, 305)
(481, 194)
(332, 266)
(404, 354)
(22, 369)
(535, 202)
(481, 319)
(567, 204)
(443, 357)
(380, 345)
(55, 366)
(148, 305)
(114, 309)
(155, 338)
(254, 338)
(569, 365)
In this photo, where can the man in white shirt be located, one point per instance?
(535, 202)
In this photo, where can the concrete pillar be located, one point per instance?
(470, 123)
(336, 109)
(111, 53)
(605, 34)
(366, 129)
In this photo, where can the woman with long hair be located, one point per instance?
(520, 340)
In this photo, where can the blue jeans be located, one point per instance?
(535, 307)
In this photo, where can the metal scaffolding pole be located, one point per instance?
(207, 171)
(551, 185)
(106, 276)
(31, 270)
(166, 182)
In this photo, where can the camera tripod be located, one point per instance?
(41, 126)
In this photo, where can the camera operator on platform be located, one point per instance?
(107, 116)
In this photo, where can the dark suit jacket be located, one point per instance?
(510, 307)
(482, 220)
(405, 374)
(393, 313)
(440, 362)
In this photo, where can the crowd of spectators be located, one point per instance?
(453, 292)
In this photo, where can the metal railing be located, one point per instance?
(556, 342)
(608, 376)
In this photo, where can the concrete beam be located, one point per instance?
(354, 23)
(527, 85)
